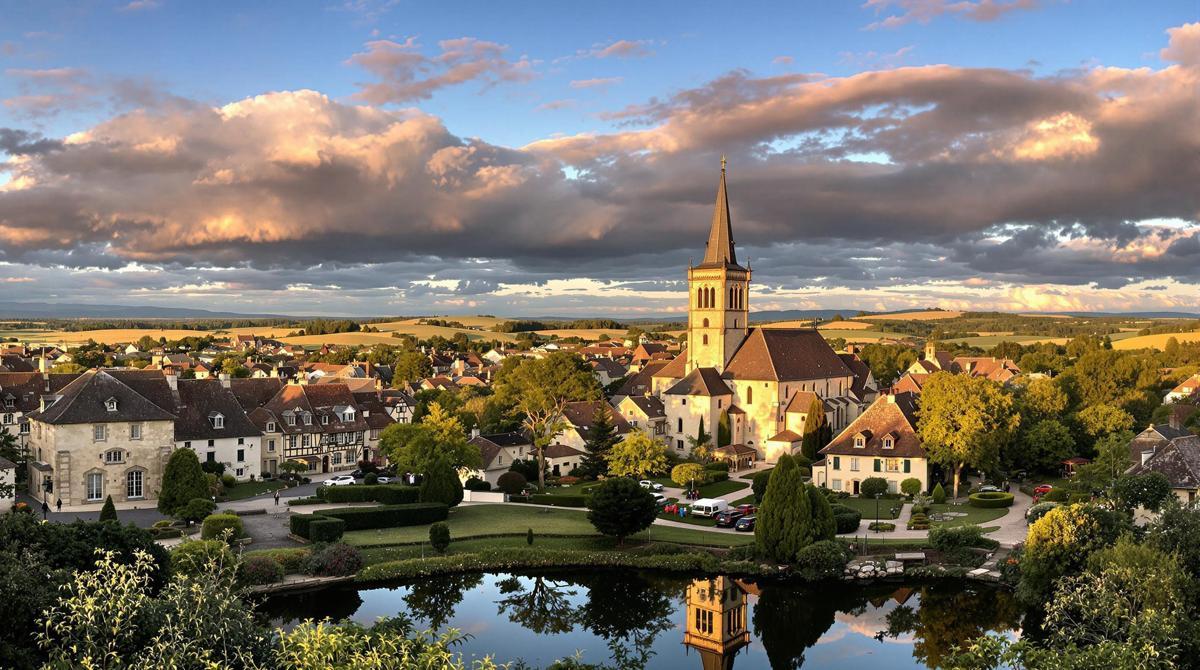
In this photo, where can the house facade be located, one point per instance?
(212, 423)
(882, 442)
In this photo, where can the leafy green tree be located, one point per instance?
(410, 366)
(700, 446)
(600, 441)
(939, 494)
(11, 449)
(1043, 398)
(439, 536)
(1148, 490)
(441, 484)
(964, 421)
(1060, 543)
(439, 437)
(638, 455)
(109, 511)
(817, 432)
(910, 486)
(873, 486)
(687, 474)
(538, 390)
(1112, 460)
(785, 518)
(1101, 420)
(182, 480)
(619, 507)
(1045, 445)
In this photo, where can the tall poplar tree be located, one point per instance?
(600, 441)
(785, 519)
(816, 430)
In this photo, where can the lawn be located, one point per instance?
(866, 507)
(249, 489)
(720, 489)
(974, 515)
(484, 520)
(751, 475)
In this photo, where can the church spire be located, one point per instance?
(720, 237)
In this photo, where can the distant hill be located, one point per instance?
(31, 310)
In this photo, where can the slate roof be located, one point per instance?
(642, 382)
(861, 372)
(84, 401)
(252, 393)
(199, 399)
(652, 407)
(701, 382)
(1153, 438)
(580, 415)
(490, 446)
(27, 388)
(320, 400)
(719, 251)
(1178, 460)
(561, 451)
(12, 363)
(373, 410)
(895, 415)
(785, 354)
(150, 384)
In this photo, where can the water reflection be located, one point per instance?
(625, 619)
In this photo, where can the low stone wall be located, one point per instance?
(483, 496)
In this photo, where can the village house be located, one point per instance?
(606, 370)
(498, 451)
(1154, 438)
(1185, 390)
(1179, 461)
(211, 422)
(644, 412)
(881, 442)
(579, 418)
(321, 426)
(21, 393)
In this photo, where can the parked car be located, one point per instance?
(659, 499)
(385, 479)
(747, 509)
(708, 507)
(653, 486)
(1043, 489)
(340, 480)
(728, 518)
(745, 524)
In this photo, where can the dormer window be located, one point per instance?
(307, 419)
(324, 419)
(110, 404)
(289, 418)
(888, 442)
(218, 421)
(270, 426)
(860, 441)
(348, 416)
(9, 401)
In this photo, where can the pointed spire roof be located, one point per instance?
(719, 252)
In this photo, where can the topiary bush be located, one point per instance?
(990, 500)
(384, 494)
(910, 486)
(371, 479)
(257, 570)
(334, 560)
(1056, 495)
(216, 524)
(228, 481)
(197, 509)
(512, 482)
(939, 494)
(477, 484)
(290, 560)
(439, 536)
(918, 522)
(846, 518)
(872, 486)
(822, 560)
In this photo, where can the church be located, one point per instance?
(761, 381)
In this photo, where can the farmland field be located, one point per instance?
(591, 334)
(1154, 341)
(845, 325)
(923, 315)
(859, 335)
(787, 324)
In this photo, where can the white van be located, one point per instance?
(708, 507)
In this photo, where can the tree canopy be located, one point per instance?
(964, 421)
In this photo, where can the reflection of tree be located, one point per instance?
(788, 622)
(629, 613)
(950, 614)
(544, 608)
(335, 603)
(435, 598)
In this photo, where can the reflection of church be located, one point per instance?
(716, 621)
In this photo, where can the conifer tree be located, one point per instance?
(109, 511)
(601, 438)
(724, 434)
(816, 430)
(824, 525)
(182, 481)
(785, 519)
(441, 484)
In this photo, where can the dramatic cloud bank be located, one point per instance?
(911, 185)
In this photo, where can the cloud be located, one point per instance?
(405, 74)
(1184, 45)
(902, 12)
(624, 49)
(140, 6)
(875, 60)
(783, 60)
(17, 142)
(599, 82)
(565, 103)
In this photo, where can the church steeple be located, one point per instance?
(719, 251)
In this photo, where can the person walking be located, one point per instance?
(59, 504)
(277, 498)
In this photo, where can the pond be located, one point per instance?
(632, 620)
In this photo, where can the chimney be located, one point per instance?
(474, 433)
(172, 380)
(224, 377)
(42, 365)
(275, 371)
(891, 399)
(1174, 419)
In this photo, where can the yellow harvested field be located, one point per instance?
(923, 315)
(1048, 316)
(845, 325)
(1155, 341)
(110, 336)
(590, 334)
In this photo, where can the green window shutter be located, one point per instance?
(907, 465)
(878, 465)
(837, 463)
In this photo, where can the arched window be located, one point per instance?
(699, 297)
(705, 340)
(705, 322)
(749, 395)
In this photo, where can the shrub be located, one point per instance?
(476, 484)
(846, 518)
(910, 486)
(309, 500)
(334, 560)
(197, 509)
(991, 499)
(301, 526)
(919, 509)
(165, 533)
(1058, 495)
(717, 476)
(529, 537)
(1039, 510)
(821, 560)
(162, 523)
(958, 544)
(882, 526)
(718, 466)
(109, 511)
(939, 494)
(228, 481)
(918, 522)
(558, 501)
(384, 494)
(873, 486)
(261, 570)
(325, 529)
(620, 507)
(216, 524)
(442, 485)
(182, 480)
(759, 485)
(193, 556)
(289, 560)
(512, 482)
(371, 479)
(388, 516)
(687, 474)
(439, 536)
(213, 467)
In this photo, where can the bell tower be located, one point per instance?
(718, 294)
(716, 621)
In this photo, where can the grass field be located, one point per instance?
(1154, 341)
(589, 334)
(974, 515)
(858, 335)
(484, 520)
(249, 489)
(923, 315)
(866, 507)
(989, 341)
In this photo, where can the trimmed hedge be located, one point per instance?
(883, 526)
(384, 494)
(718, 466)
(508, 559)
(215, 524)
(317, 528)
(558, 501)
(990, 500)
(311, 500)
(388, 516)
(290, 560)
(846, 518)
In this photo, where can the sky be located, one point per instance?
(388, 157)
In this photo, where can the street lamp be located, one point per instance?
(877, 495)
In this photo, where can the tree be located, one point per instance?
(873, 486)
(1101, 420)
(785, 519)
(512, 482)
(963, 421)
(939, 494)
(619, 507)
(439, 437)
(410, 366)
(1148, 490)
(182, 480)
(539, 389)
(441, 484)
(637, 456)
(823, 524)
(1112, 460)
(600, 441)
(1043, 398)
(11, 449)
(293, 467)
(910, 486)
(1046, 445)
(759, 484)
(197, 509)
(816, 429)
(109, 511)
(439, 536)
(724, 434)
(700, 446)
(1059, 544)
(687, 474)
